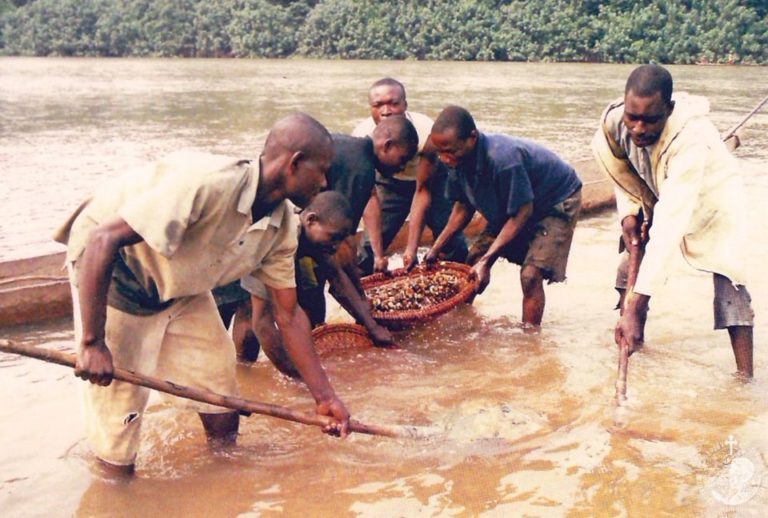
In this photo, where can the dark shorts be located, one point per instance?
(544, 244)
(732, 304)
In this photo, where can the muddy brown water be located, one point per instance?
(525, 424)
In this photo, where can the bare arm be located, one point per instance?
(263, 325)
(297, 340)
(630, 329)
(422, 200)
(459, 218)
(344, 291)
(94, 361)
(372, 221)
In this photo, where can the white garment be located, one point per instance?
(700, 205)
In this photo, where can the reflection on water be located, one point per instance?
(523, 424)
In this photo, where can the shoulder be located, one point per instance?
(364, 128)
(351, 149)
(341, 141)
(612, 118)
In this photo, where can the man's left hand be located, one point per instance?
(381, 336)
(631, 329)
(481, 273)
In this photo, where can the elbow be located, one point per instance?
(103, 242)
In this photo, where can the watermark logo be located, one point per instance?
(737, 479)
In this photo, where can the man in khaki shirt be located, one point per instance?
(145, 252)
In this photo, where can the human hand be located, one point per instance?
(630, 330)
(431, 257)
(381, 264)
(381, 336)
(334, 408)
(94, 363)
(409, 260)
(481, 274)
(634, 232)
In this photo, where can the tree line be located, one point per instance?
(613, 31)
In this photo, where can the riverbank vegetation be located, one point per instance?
(613, 31)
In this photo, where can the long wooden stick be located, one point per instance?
(636, 257)
(731, 132)
(636, 251)
(206, 396)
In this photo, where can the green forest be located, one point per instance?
(613, 31)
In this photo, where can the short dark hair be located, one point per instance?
(389, 81)
(400, 130)
(646, 80)
(333, 208)
(457, 119)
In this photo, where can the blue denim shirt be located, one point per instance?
(507, 173)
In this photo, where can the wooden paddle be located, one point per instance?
(205, 396)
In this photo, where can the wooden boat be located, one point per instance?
(36, 289)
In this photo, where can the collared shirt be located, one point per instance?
(193, 211)
(353, 172)
(509, 172)
(423, 125)
(640, 157)
(700, 207)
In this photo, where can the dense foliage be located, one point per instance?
(665, 31)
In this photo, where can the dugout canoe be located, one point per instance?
(36, 289)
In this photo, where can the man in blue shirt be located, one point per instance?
(528, 195)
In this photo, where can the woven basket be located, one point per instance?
(409, 317)
(333, 338)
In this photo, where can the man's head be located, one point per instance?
(386, 98)
(326, 221)
(647, 103)
(395, 142)
(299, 151)
(454, 134)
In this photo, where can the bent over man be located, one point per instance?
(394, 194)
(530, 198)
(144, 254)
(337, 212)
(677, 185)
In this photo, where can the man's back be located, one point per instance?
(510, 172)
(353, 171)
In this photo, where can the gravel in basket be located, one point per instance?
(406, 298)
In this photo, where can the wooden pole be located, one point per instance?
(636, 251)
(205, 396)
(731, 132)
(636, 257)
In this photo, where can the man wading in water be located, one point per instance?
(529, 196)
(677, 185)
(393, 197)
(144, 254)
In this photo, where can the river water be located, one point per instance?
(523, 424)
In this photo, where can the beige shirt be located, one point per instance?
(700, 207)
(423, 125)
(193, 211)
